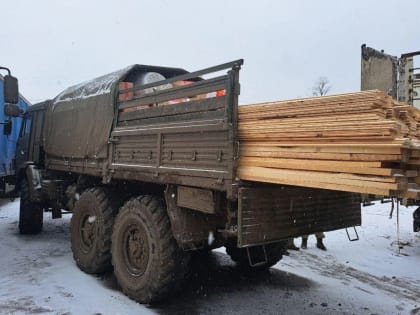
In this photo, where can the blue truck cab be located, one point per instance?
(10, 125)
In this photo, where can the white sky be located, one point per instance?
(50, 45)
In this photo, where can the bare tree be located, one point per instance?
(322, 86)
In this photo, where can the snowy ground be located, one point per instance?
(38, 276)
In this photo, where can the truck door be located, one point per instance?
(22, 148)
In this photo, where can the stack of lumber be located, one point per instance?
(361, 142)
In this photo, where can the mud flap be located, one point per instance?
(34, 181)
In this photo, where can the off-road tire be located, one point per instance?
(91, 230)
(148, 264)
(31, 214)
(274, 253)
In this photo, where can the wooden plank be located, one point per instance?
(350, 117)
(317, 165)
(370, 95)
(355, 127)
(373, 148)
(271, 176)
(411, 194)
(293, 162)
(311, 176)
(322, 156)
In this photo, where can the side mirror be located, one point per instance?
(12, 110)
(7, 127)
(11, 90)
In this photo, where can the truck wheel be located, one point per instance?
(30, 214)
(147, 260)
(274, 253)
(91, 229)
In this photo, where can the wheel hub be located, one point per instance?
(136, 251)
(88, 232)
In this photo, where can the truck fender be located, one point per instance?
(33, 177)
(192, 228)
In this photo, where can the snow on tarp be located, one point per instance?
(91, 88)
(80, 118)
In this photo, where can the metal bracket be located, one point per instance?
(237, 155)
(355, 232)
(219, 156)
(386, 200)
(258, 263)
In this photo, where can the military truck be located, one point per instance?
(145, 159)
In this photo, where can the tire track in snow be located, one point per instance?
(402, 288)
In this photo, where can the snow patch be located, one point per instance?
(98, 86)
(211, 238)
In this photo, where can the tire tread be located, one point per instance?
(172, 267)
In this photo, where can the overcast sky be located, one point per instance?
(287, 45)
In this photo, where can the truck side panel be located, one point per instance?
(183, 135)
(179, 135)
(271, 213)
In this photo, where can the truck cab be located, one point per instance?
(12, 108)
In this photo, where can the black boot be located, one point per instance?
(304, 244)
(291, 245)
(320, 244)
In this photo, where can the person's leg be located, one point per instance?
(291, 244)
(304, 244)
(319, 243)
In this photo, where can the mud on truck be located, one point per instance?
(145, 158)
